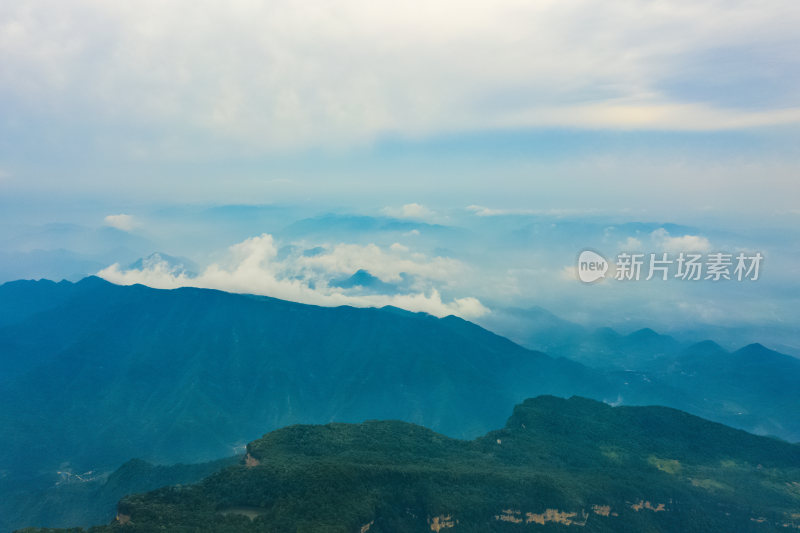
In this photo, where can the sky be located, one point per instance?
(491, 119)
(152, 100)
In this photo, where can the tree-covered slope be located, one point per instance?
(557, 465)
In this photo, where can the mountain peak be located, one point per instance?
(644, 333)
(755, 347)
(365, 280)
(174, 265)
(606, 333)
(705, 347)
(93, 281)
(757, 350)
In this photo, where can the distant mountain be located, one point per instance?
(51, 264)
(352, 223)
(76, 238)
(534, 327)
(92, 374)
(605, 348)
(362, 279)
(65, 251)
(189, 374)
(174, 266)
(754, 386)
(576, 232)
(355, 227)
(557, 464)
(539, 329)
(750, 388)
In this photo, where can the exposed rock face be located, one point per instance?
(441, 522)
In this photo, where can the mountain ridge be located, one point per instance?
(556, 463)
(229, 353)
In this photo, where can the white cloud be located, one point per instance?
(285, 73)
(482, 211)
(252, 267)
(631, 244)
(685, 243)
(122, 222)
(567, 273)
(386, 265)
(412, 211)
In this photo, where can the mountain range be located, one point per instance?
(557, 464)
(751, 387)
(93, 374)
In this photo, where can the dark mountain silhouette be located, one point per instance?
(188, 374)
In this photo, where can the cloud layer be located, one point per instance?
(122, 222)
(413, 211)
(284, 74)
(684, 243)
(254, 267)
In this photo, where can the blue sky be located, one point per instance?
(578, 114)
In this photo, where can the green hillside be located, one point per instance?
(557, 465)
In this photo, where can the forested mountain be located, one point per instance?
(93, 374)
(557, 463)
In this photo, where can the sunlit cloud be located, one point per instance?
(489, 212)
(413, 211)
(121, 222)
(684, 243)
(482, 211)
(631, 244)
(252, 266)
